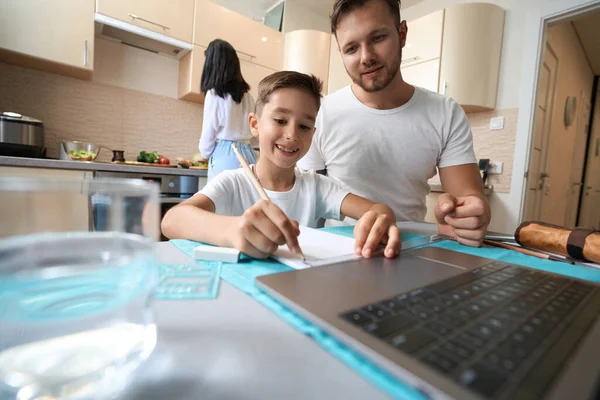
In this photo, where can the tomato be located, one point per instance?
(163, 160)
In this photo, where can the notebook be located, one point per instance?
(319, 247)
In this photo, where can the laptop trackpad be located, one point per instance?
(398, 275)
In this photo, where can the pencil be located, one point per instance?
(517, 249)
(256, 183)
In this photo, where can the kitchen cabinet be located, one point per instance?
(254, 42)
(424, 40)
(299, 49)
(425, 74)
(190, 74)
(52, 35)
(17, 204)
(467, 53)
(170, 18)
(470, 62)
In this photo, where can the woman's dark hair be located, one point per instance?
(222, 71)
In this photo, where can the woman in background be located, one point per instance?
(227, 103)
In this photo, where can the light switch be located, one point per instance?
(495, 167)
(497, 123)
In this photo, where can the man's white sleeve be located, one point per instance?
(458, 140)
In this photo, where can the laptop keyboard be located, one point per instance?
(488, 329)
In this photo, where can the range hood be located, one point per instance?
(132, 35)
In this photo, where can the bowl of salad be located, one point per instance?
(81, 151)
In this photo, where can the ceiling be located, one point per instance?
(256, 9)
(588, 30)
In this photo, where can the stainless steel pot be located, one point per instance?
(21, 136)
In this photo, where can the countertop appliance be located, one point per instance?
(21, 136)
(173, 188)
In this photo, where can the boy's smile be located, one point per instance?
(284, 129)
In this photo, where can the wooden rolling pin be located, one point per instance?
(580, 244)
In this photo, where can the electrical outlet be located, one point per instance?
(497, 123)
(495, 167)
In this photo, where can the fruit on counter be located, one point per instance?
(163, 160)
(82, 155)
(148, 157)
(198, 159)
(187, 163)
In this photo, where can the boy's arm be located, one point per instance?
(258, 232)
(189, 220)
(376, 224)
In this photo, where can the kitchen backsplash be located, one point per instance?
(497, 145)
(121, 119)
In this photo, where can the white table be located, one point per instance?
(232, 347)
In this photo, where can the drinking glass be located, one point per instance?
(77, 275)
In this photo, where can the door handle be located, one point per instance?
(85, 51)
(544, 175)
(164, 27)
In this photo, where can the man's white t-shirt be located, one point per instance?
(388, 156)
(313, 196)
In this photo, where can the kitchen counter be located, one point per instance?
(95, 166)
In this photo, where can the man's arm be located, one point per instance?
(463, 211)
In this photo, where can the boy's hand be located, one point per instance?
(374, 228)
(262, 229)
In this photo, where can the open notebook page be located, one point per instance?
(319, 247)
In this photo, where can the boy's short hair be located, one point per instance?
(341, 8)
(284, 80)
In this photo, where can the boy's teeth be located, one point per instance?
(286, 150)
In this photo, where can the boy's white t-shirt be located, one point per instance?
(388, 156)
(313, 196)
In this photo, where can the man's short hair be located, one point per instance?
(341, 8)
(284, 80)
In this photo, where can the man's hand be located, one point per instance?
(374, 228)
(465, 218)
(262, 229)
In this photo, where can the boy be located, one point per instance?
(228, 211)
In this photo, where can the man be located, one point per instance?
(383, 138)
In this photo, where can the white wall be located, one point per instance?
(298, 16)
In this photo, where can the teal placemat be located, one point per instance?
(243, 274)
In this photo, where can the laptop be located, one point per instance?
(457, 326)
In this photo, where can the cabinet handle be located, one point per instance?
(445, 87)
(246, 54)
(164, 27)
(85, 62)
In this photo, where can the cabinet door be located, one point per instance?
(424, 40)
(22, 212)
(60, 31)
(253, 74)
(171, 18)
(190, 74)
(424, 75)
(252, 40)
(470, 63)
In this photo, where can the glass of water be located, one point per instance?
(77, 275)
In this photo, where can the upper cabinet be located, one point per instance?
(254, 42)
(259, 48)
(459, 48)
(190, 75)
(470, 64)
(170, 18)
(424, 41)
(53, 35)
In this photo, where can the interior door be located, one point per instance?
(578, 163)
(589, 215)
(538, 160)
